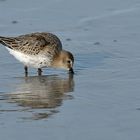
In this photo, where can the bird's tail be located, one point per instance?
(7, 41)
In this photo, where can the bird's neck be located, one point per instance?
(57, 62)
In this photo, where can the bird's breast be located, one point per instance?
(35, 61)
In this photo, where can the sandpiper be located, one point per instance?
(39, 50)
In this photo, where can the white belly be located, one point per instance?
(37, 61)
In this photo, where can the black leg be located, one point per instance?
(39, 71)
(26, 71)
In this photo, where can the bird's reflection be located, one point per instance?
(42, 93)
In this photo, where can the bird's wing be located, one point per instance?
(32, 44)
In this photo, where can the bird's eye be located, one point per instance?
(68, 61)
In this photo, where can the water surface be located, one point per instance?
(101, 100)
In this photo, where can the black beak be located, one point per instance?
(71, 71)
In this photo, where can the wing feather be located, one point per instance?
(34, 43)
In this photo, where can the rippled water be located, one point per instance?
(38, 93)
(101, 100)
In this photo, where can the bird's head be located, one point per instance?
(64, 60)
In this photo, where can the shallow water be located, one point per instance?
(101, 100)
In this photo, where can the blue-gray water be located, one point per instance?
(102, 100)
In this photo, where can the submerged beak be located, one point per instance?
(71, 71)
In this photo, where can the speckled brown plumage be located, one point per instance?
(34, 43)
(39, 50)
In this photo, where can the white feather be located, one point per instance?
(37, 61)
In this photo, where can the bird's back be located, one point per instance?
(33, 43)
